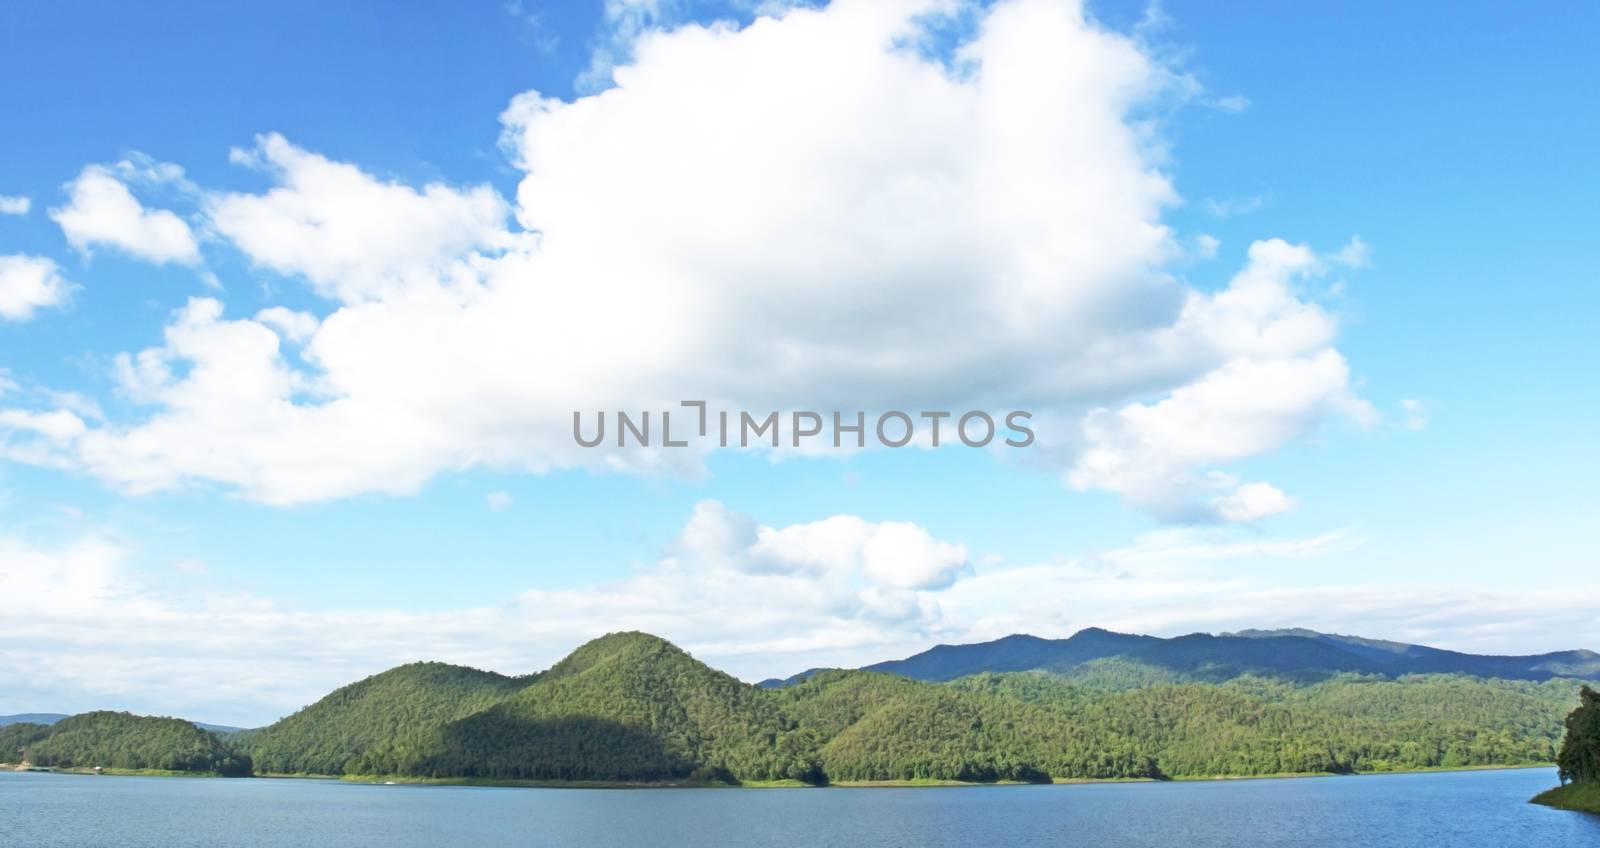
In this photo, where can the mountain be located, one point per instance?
(624, 707)
(376, 719)
(779, 683)
(32, 718)
(1402, 658)
(122, 741)
(1200, 656)
(1013, 653)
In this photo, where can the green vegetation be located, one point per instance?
(364, 727)
(1254, 726)
(15, 739)
(630, 708)
(1581, 797)
(1579, 759)
(125, 742)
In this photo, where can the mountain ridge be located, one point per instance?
(1292, 651)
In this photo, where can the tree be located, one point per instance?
(1579, 759)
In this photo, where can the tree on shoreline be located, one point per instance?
(1579, 760)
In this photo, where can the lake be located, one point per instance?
(1486, 808)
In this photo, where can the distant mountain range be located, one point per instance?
(31, 718)
(1298, 653)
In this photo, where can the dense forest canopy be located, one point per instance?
(123, 741)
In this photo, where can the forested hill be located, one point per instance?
(120, 741)
(1303, 654)
(385, 712)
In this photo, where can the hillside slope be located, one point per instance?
(361, 727)
(630, 707)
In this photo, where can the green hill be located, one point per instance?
(124, 741)
(17, 736)
(625, 707)
(363, 727)
(878, 727)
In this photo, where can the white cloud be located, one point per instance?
(102, 210)
(28, 284)
(11, 204)
(1234, 103)
(737, 222)
(293, 326)
(1281, 376)
(1251, 501)
(498, 500)
(1415, 414)
(58, 425)
(623, 22)
(356, 238)
(103, 632)
(1355, 254)
(1234, 206)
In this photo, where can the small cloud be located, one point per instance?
(1206, 246)
(190, 565)
(535, 30)
(1234, 104)
(28, 284)
(1233, 206)
(1355, 254)
(102, 210)
(13, 205)
(1252, 501)
(498, 500)
(1414, 414)
(293, 326)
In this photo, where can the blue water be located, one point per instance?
(1487, 809)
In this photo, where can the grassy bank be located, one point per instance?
(1583, 797)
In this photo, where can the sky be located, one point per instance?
(297, 304)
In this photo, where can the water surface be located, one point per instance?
(1486, 809)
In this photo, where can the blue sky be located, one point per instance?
(1438, 489)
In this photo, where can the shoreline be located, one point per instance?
(401, 780)
(1575, 797)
